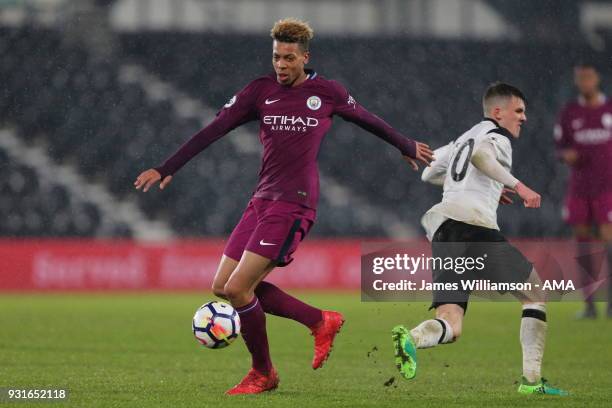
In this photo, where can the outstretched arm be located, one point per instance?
(563, 134)
(198, 142)
(348, 109)
(485, 160)
(436, 172)
(240, 109)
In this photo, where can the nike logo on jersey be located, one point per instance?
(269, 102)
(263, 243)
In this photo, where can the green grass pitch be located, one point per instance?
(137, 350)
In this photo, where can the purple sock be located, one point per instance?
(276, 302)
(253, 322)
(587, 274)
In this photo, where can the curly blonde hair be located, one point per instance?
(292, 30)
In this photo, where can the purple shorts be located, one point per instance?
(584, 210)
(272, 229)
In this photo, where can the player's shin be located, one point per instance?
(279, 303)
(587, 275)
(432, 332)
(253, 321)
(533, 339)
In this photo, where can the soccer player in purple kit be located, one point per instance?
(294, 107)
(583, 137)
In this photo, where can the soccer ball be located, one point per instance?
(216, 325)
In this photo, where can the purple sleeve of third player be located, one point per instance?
(237, 111)
(563, 131)
(348, 109)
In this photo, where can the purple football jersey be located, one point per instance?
(293, 122)
(588, 131)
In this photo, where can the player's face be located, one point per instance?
(511, 115)
(288, 61)
(587, 81)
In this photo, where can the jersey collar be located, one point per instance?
(310, 74)
(491, 120)
(602, 99)
(500, 130)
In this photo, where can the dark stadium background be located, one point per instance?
(98, 282)
(94, 92)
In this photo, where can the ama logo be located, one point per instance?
(561, 285)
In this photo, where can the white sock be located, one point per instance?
(533, 339)
(432, 332)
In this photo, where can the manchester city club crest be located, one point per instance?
(313, 103)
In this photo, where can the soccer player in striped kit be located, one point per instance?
(294, 107)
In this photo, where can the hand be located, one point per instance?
(569, 156)
(505, 198)
(531, 199)
(423, 154)
(148, 178)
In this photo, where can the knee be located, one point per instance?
(236, 294)
(218, 288)
(218, 291)
(231, 291)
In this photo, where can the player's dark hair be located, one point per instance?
(500, 90)
(585, 64)
(292, 30)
